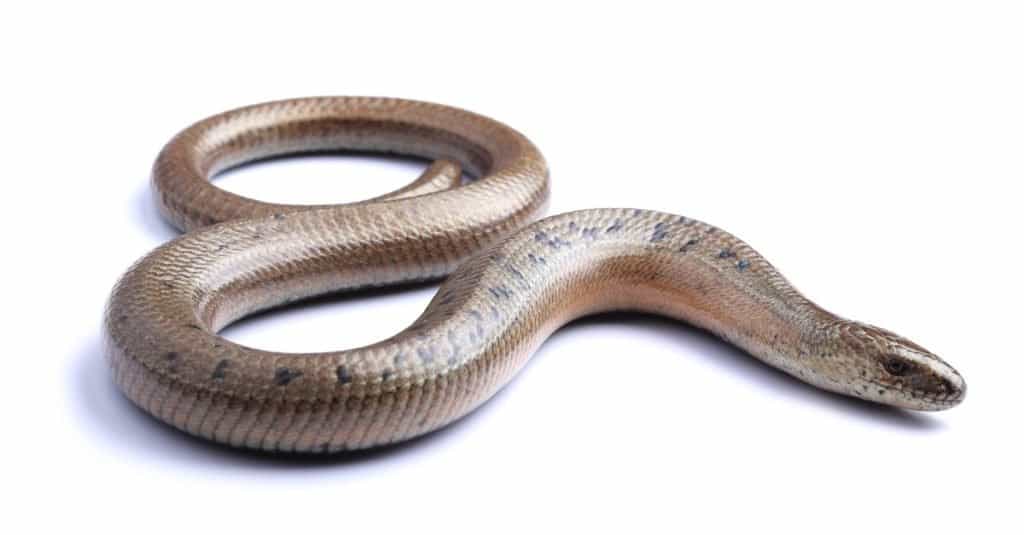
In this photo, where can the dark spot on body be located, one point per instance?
(551, 241)
(500, 292)
(688, 245)
(660, 232)
(726, 253)
(343, 376)
(386, 374)
(172, 361)
(398, 359)
(615, 226)
(278, 216)
(742, 265)
(221, 369)
(283, 376)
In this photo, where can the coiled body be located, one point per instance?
(509, 293)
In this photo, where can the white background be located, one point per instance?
(872, 151)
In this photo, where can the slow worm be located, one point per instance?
(511, 285)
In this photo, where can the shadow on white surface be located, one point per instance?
(149, 216)
(738, 363)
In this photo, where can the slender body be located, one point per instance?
(509, 292)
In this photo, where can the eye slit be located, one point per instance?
(896, 366)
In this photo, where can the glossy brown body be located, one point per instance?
(509, 293)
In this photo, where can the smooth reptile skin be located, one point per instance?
(507, 293)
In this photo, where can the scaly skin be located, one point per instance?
(508, 293)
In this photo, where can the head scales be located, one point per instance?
(890, 369)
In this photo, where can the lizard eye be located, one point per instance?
(896, 366)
